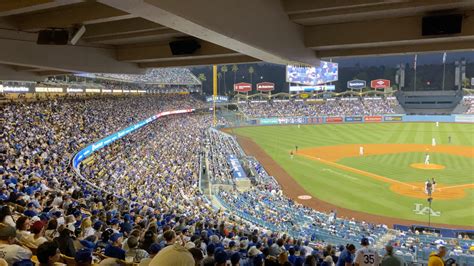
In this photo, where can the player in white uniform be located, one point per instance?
(361, 150)
(366, 256)
(427, 159)
(433, 142)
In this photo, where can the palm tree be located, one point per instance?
(224, 70)
(235, 68)
(202, 77)
(251, 71)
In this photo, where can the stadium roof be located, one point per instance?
(128, 36)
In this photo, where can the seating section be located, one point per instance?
(139, 196)
(328, 107)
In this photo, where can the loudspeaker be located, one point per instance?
(439, 25)
(184, 47)
(53, 36)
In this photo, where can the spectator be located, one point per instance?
(173, 255)
(48, 253)
(197, 255)
(66, 242)
(136, 253)
(38, 230)
(390, 259)
(11, 252)
(114, 249)
(346, 256)
(6, 216)
(83, 257)
(436, 259)
(366, 255)
(153, 250)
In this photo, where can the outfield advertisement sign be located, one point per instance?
(268, 121)
(315, 120)
(464, 118)
(380, 83)
(237, 170)
(353, 119)
(373, 118)
(334, 119)
(89, 150)
(242, 87)
(393, 118)
(362, 119)
(356, 84)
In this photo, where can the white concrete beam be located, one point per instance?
(398, 49)
(380, 32)
(162, 52)
(13, 7)
(259, 29)
(66, 16)
(63, 58)
(200, 61)
(10, 73)
(309, 12)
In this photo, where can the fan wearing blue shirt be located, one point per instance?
(346, 257)
(114, 249)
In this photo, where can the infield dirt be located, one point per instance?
(333, 153)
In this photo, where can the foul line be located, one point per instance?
(361, 172)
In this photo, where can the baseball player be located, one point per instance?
(433, 142)
(291, 154)
(427, 159)
(428, 187)
(361, 151)
(366, 256)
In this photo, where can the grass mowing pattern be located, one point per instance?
(362, 193)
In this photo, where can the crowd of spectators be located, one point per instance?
(328, 107)
(144, 205)
(219, 148)
(179, 76)
(469, 103)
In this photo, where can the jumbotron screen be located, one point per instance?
(326, 72)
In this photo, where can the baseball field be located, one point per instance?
(387, 181)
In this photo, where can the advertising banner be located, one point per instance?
(292, 120)
(219, 99)
(353, 119)
(356, 84)
(380, 83)
(334, 119)
(464, 118)
(312, 88)
(237, 170)
(393, 118)
(268, 121)
(315, 120)
(242, 87)
(373, 118)
(265, 86)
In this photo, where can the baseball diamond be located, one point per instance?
(387, 181)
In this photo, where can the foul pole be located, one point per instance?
(214, 94)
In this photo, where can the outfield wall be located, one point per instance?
(360, 119)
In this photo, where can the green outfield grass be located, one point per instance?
(362, 193)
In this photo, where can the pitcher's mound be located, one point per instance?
(430, 166)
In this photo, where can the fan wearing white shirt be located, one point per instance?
(8, 250)
(366, 256)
